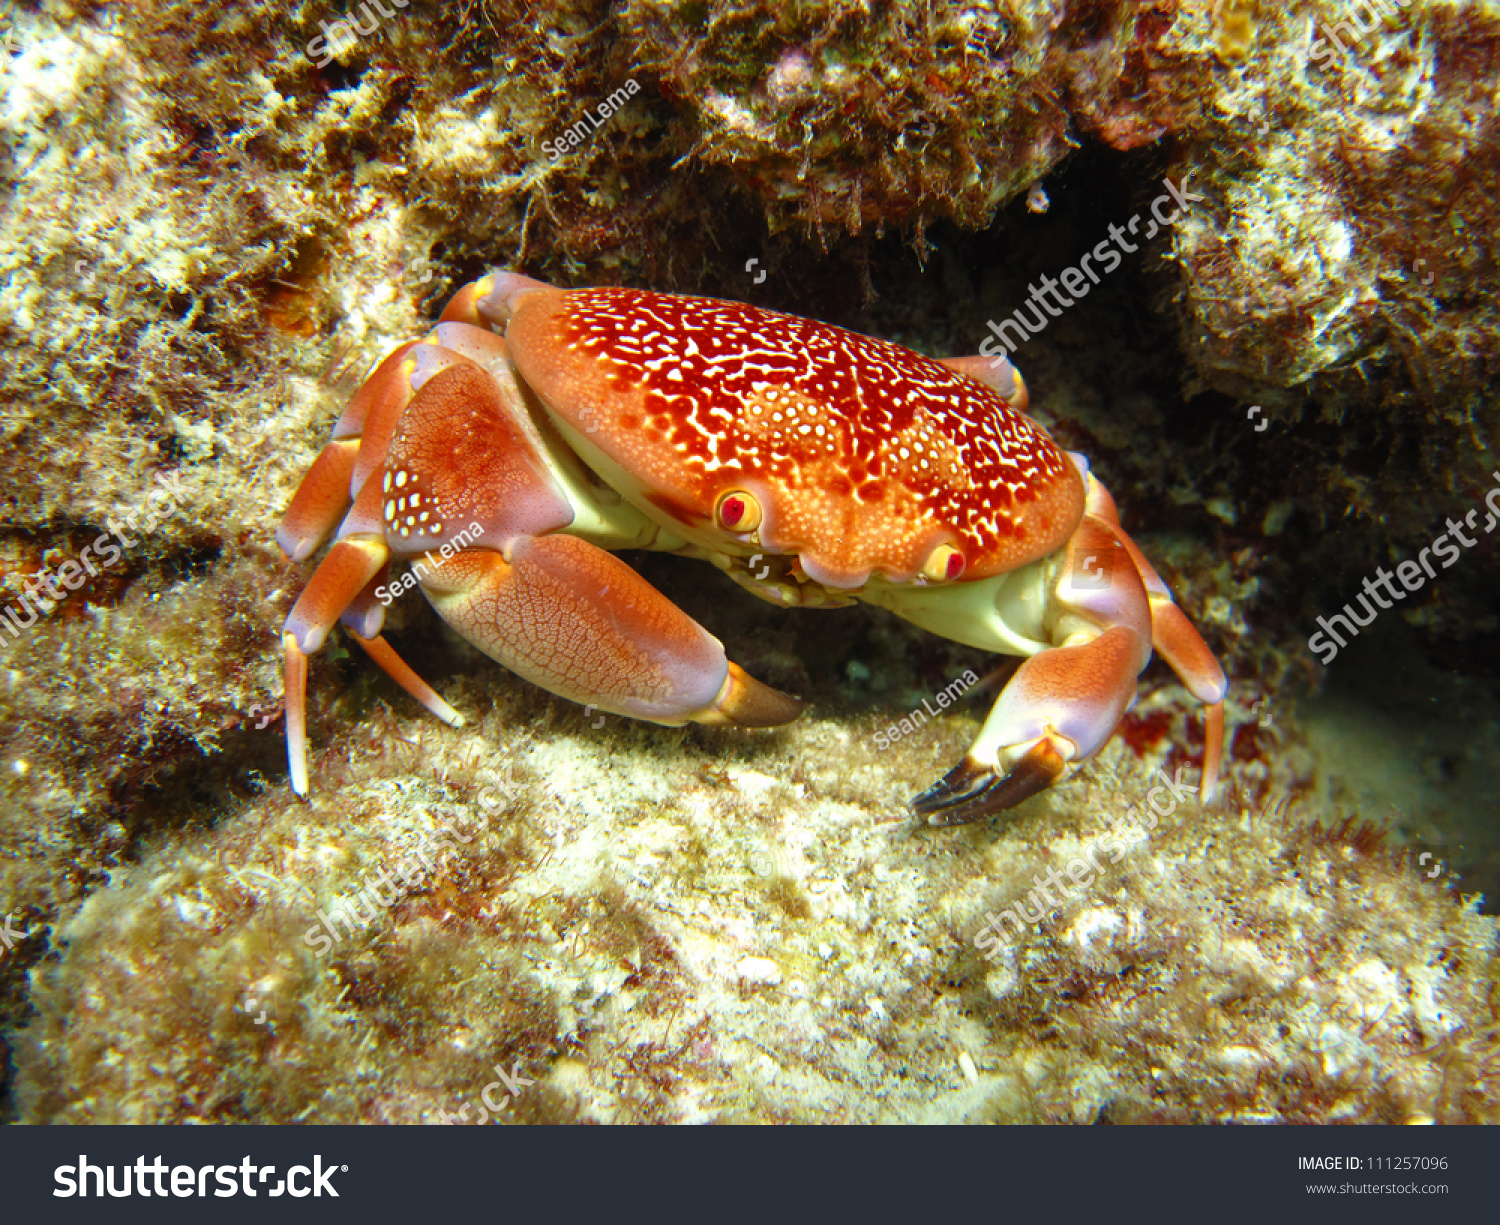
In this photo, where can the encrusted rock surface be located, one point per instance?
(654, 927)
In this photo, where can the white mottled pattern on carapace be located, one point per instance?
(865, 455)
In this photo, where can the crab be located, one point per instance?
(536, 429)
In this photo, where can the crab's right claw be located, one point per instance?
(579, 622)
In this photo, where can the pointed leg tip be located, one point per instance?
(295, 679)
(445, 712)
(1213, 752)
(297, 765)
(400, 671)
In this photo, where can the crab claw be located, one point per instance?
(970, 791)
(1065, 701)
(1061, 707)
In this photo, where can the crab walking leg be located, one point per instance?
(364, 619)
(577, 621)
(374, 410)
(343, 467)
(1178, 642)
(335, 584)
(320, 502)
(1173, 637)
(341, 589)
(1064, 703)
(401, 672)
(1004, 377)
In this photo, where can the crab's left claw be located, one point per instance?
(1064, 703)
(1059, 708)
(970, 791)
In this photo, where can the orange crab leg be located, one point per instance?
(334, 585)
(364, 619)
(343, 467)
(323, 496)
(373, 413)
(401, 672)
(1174, 638)
(336, 588)
(320, 501)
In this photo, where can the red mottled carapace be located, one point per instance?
(864, 455)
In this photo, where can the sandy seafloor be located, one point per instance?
(208, 238)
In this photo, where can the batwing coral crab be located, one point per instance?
(535, 429)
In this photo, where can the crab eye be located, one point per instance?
(738, 512)
(945, 564)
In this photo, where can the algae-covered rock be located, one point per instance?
(645, 926)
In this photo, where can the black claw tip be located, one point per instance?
(970, 791)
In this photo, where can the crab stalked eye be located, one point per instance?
(945, 564)
(738, 512)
